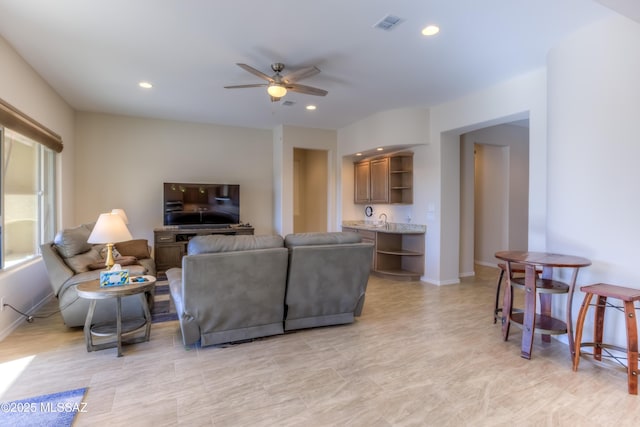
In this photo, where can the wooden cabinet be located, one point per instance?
(396, 256)
(170, 244)
(169, 255)
(379, 180)
(401, 179)
(400, 256)
(362, 182)
(384, 180)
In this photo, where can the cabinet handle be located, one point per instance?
(165, 239)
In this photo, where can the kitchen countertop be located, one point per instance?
(390, 227)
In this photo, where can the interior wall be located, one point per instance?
(123, 161)
(316, 189)
(278, 178)
(299, 185)
(27, 286)
(467, 206)
(310, 187)
(593, 156)
(491, 202)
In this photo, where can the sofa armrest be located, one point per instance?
(57, 270)
(188, 325)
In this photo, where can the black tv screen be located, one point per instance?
(187, 204)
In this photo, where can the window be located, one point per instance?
(27, 206)
(27, 185)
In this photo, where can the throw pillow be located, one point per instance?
(138, 248)
(72, 241)
(81, 263)
(104, 251)
(122, 260)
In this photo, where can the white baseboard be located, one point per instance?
(486, 264)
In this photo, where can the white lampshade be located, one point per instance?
(276, 91)
(122, 213)
(110, 228)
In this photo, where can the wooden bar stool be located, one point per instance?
(628, 296)
(515, 268)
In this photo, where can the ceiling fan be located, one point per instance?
(279, 85)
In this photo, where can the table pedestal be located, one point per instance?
(120, 329)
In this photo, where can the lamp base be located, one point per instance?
(109, 262)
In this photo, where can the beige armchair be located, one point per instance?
(70, 260)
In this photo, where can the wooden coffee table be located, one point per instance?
(94, 292)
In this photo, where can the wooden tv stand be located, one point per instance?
(170, 243)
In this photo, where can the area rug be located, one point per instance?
(163, 308)
(57, 409)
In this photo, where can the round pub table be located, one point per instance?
(94, 292)
(534, 284)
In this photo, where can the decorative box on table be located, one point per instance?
(114, 278)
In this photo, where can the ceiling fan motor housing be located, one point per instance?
(277, 67)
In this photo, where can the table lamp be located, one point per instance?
(122, 214)
(109, 229)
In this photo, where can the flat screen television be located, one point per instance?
(187, 204)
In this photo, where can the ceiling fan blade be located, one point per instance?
(243, 86)
(303, 73)
(255, 72)
(306, 89)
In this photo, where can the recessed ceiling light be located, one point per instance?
(379, 148)
(310, 107)
(145, 85)
(358, 154)
(430, 30)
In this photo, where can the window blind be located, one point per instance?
(16, 120)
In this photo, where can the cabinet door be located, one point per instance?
(169, 255)
(380, 180)
(361, 191)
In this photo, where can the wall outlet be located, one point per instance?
(2, 304)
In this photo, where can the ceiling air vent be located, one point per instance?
(388, 23)
(287, 103)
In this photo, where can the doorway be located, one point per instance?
(310, 190)
(494, 206)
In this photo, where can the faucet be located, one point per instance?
(385, 218)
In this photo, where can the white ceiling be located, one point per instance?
(94, 52)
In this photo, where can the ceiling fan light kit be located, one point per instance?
(276, 90)
(279, 85)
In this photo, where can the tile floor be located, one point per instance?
(420, 355)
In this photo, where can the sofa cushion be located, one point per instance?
(138, 248)
(72, 241)
(218, 243)
(312, 239)
(81, 263)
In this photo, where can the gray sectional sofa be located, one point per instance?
(70, 260)
(326, 279)
(234, 288)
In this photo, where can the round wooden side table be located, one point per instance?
(94, 292)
